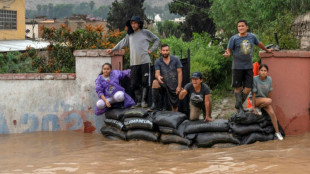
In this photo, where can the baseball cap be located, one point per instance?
(197, 75)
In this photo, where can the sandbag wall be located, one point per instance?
(174, 127)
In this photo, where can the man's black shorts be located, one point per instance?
(242, 78)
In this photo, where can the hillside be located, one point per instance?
(32, 4)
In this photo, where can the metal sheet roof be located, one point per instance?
(21, 45)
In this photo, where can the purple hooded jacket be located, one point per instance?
(102, 88)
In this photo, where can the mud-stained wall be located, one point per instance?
(301, 29)
(290, 73)
(54, 102)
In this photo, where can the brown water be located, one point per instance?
(75, 152)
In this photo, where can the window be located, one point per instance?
(8, 19)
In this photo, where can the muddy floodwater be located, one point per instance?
(76, 152)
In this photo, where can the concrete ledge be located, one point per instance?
(285, 53)
(97, 52)
(39, 76)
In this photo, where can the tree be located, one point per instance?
(196, 16)
(91, 5)
(102, 12)
(39, 7)
(168, 28)
(50, 10)
(120, 12)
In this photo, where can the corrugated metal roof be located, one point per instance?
(21, 45)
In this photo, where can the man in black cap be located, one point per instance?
(138, 40)
(200, 97)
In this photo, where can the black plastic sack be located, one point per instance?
(138, 134)
(253, 137)
(115, 114)
(265, 123)
(248, 118)
(114, 123)
(209, 139)
(218, 125)
(191, 136)
(137, 112)
(169, 138)
(112, 131)
(245, 129)
(179, 131)
(169, 118)
(138, 123)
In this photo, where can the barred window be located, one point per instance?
(8, 19)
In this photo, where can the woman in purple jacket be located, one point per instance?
(109, 90)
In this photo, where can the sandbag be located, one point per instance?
(169, 138)
(265, 123)
(112, 131)
(115, 114)
(191, 136)
(179, 131)
(253, 137)
(115, 123)
(197, 126)
(209, 139)
(245, 129)
(169, 118)
(138, 123)
(139, 134)
(248, 118)
(137, 112)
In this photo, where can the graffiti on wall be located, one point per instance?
(51, 122)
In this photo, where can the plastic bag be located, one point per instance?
(179, 131)
(115, 114)
(142, 135)
(253, 137)
(137, 112)
(248, 118)
(218, 125)
(169, 118)
(138, 123)
(245, 129)
(209, 139)
(169, 138)
(112, 131)
(114, 123)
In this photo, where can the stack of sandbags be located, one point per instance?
(139, 125)
(171, 127)
(113, 124)
(206, 134)
(250, 128)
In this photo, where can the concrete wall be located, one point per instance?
(54, 102)
(19, 6)
(290, 72)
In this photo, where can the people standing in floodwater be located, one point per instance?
(261, 96)
(200, 97)
(110, 92)
(138, 40)
(168, 74)
(241, 45)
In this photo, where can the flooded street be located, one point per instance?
(75, 152)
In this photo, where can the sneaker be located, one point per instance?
(279, 136)
(259, 111)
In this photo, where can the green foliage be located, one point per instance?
(264, 19)
(16, 62)
(206, 57)
(197, 16)
(168, 28)
(120, 12)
